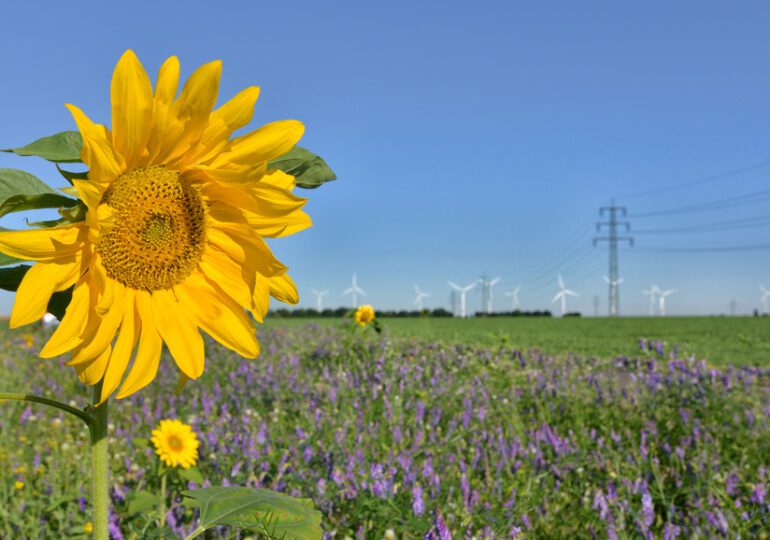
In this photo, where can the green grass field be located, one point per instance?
(719, 340)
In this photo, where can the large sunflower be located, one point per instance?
(172, 241)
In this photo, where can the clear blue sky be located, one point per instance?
(468, 137)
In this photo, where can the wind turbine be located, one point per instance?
(354, 290)
(463, 291)
(514, 294)
(319, 299)
(420, 296)
(488, 284)
(652, 293)
(562, 295)
(663, 295)
(765, 295)
(614, 285)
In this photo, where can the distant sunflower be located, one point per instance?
(364, 315)
(172, 240)
(176, 444)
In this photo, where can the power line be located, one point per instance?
(717, 249)
(720, 204)
(704, 180)
(757, 221)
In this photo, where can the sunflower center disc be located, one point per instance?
(175, 443)
(158, 233)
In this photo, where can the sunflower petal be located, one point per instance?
(100, 331)
(92, 372)
(193, 108)
(266, 143)
(147, 358)
(50, 244)
(282, 288)
(68, 334)
(182, 336)
(260, 301)
(132, 106)
(219, 316)
(225, 272)
(233, 115)
(246, 248)
(39, 283)
(98, 153)
(165, 126)
(124, 346)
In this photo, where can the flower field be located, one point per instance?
(425, 439)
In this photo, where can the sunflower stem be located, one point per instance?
(162, 503)
(99, 467)
(84, 416)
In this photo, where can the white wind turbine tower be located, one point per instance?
(319, 299)
(663, 295)
(764, 297)
(463, 291)
(614, 284)
(488, 284)
(420, 296)
(652, 293)
(514, 294)
(354, 290)
(562, 295)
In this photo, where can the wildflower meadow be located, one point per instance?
(407, 437)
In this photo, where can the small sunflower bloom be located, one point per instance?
(364, 315)
(172, 243)
(19, 485)
(176, 444)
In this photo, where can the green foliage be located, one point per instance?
(6, 260)
(262, 510)
(719, 340)
(63, 147)
(192, 474)
(20, 191)
(11, 277)
(141, 502)
(309, 170)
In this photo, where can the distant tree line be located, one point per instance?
(438, 312)
(342, 311)
(517, 313)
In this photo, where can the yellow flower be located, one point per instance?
(27, 341)
(364, 315)
(172, 241)
(88, 528)
(19, 485)
(176, 444)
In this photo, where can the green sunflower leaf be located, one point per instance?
(274, 514)
(6, 260)
(59, 302)
(141, 502)
(193, 474)
(309, 169)
(11, 277)
(21, 191)
(63, 147)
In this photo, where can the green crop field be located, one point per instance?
(719, 340)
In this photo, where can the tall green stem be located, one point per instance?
(19, 396)
(99, 467)
(162, 503)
